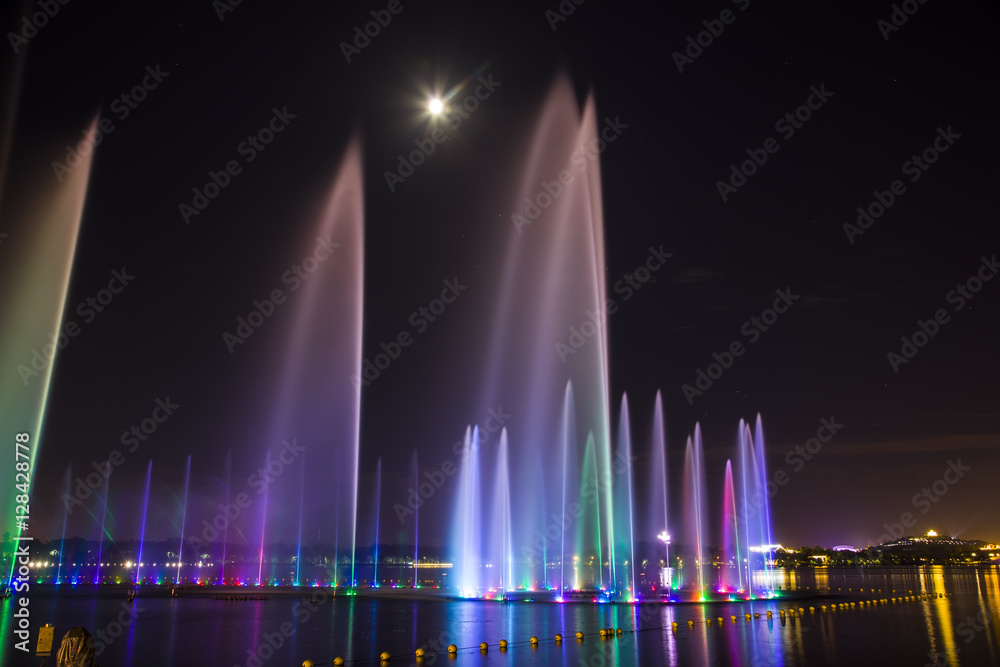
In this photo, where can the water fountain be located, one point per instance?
(378, 502)
(180, 549)
(415, 475)
(569, 524)
(142, 532)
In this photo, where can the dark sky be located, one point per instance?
(884, 100)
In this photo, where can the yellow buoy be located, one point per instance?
(484, 646)
(812, 609)
(421, 653)
(769, 614)
(558, 638)
(674, 625)
(338, 661)
(733, 618)
(385, 656)
(756, 615)
(579, 635)
(603, 632)
(823, 608)
(534, 640)
(503, 644)
(307, 663)
(620, 632)
(690, 624)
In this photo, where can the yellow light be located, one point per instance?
(435, 106)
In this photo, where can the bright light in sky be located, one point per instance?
(436, 106)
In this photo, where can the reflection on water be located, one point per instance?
(959, 629)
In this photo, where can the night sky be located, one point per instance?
(879, 98)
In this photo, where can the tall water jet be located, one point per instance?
(180, 549)
(263, 524)
(302, 503)
(759, 454)
(730, 534)
(225, 533)
(469, 517)
(624, 584)
(317, 398)
(568, 433)
(104, 517)
(142, 532)
(67, 483)
(695, 505)
(660, 523)
(500, 544)
(551, 283)
(591, 484)
(415, 475)
(755, 511)
(378, 502)
(34, 282)
(748, 474)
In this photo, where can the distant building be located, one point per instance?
(934, 548)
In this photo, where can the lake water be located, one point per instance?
(961, 628)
